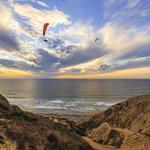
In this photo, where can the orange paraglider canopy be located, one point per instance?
(45, 26)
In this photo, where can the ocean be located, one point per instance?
(82, 96)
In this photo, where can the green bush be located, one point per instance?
(51, 146)
(22, 114)
(3, 107)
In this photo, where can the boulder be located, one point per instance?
(100, 134)
(126, 115)
(104, 134)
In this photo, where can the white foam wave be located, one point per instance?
(105, 104)
(48, 107)
(57, 101)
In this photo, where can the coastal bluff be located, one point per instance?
(21, 130)
(124, 126)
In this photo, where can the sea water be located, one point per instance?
(70, 95)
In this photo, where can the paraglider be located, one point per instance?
(104, 67)
(45, 27)
(45, 40)
(34, 61)
(96, 40)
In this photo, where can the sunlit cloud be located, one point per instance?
(54, 17)
(14, 73)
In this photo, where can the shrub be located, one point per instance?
(22, 114)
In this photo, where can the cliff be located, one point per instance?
(20, 130)
(125, 125)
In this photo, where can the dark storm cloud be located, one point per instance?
(8, 41)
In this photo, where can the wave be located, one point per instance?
(57, 101)
(105, 104)
(48, 107)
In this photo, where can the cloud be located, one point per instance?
(132, 3)
(8, 41)
(14, 73)
(46, 61)
(15, 64)
(12, 2)
(138, 52)
(59, 45)
(36, 18)
(126, 43)
(71, 71)
(76, 45)
(41, 3)
(124, 39)
(75, 70)
(132, 63)
(8, 63)
(79, 34)
(127, 11)
(82, 55)
(6, 15)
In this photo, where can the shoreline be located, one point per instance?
(67, 115)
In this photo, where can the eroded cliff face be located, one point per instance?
(20, 130)
(132, 114)
(125, 125)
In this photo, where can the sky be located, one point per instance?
(122, 28)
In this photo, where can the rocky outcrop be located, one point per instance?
(125, 125)
(106, 135)
(132, 114)
(20, 130)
